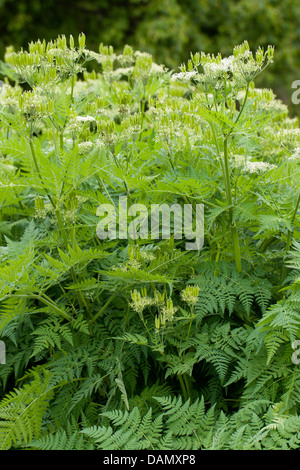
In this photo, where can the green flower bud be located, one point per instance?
(81, 40)
(71, 40)
(270, 53)
(195, 59)
(62, 42)
(128, 51)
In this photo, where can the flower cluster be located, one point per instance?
(168, 311)
(85, 147)
(140, 300)
(190, 295)
(10, 95)
(225, 75)
(184, 77)
(166, 314)
(258, 167)
(85, 119)
(295, 155)
(48, 63)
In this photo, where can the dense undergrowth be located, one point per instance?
(139, 343)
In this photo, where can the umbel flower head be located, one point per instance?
(48, 63)
(258, 167)
(296, 154)
(190, 295)
(168, 312)
(140, 300)
(239, 68)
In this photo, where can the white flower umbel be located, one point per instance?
(295, 155)
(258, 167)
(237, 161)
(85, 119)
(9, 95)
(85, 147)
(215, 69)
(140, 301)
(184, 77)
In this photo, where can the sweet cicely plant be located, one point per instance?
(137, 342)
(223, 88)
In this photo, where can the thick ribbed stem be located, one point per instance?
(234, 232)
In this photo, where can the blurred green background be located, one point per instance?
(169, 29)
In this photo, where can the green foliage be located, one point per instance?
(140, 343)
(168, 30)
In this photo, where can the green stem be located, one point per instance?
(72, 88)
(218, 150)
(143, 104)
(35, 162)
(234, 232)
(236, 248)
(81, 299)
(94, 318)
(244, 103)
(61, 141)
(187, 385)
(266, 244)
(47, 301)
(183, 388)
(62, 228)
(190, 325)
(227, 175)
(290, 235)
